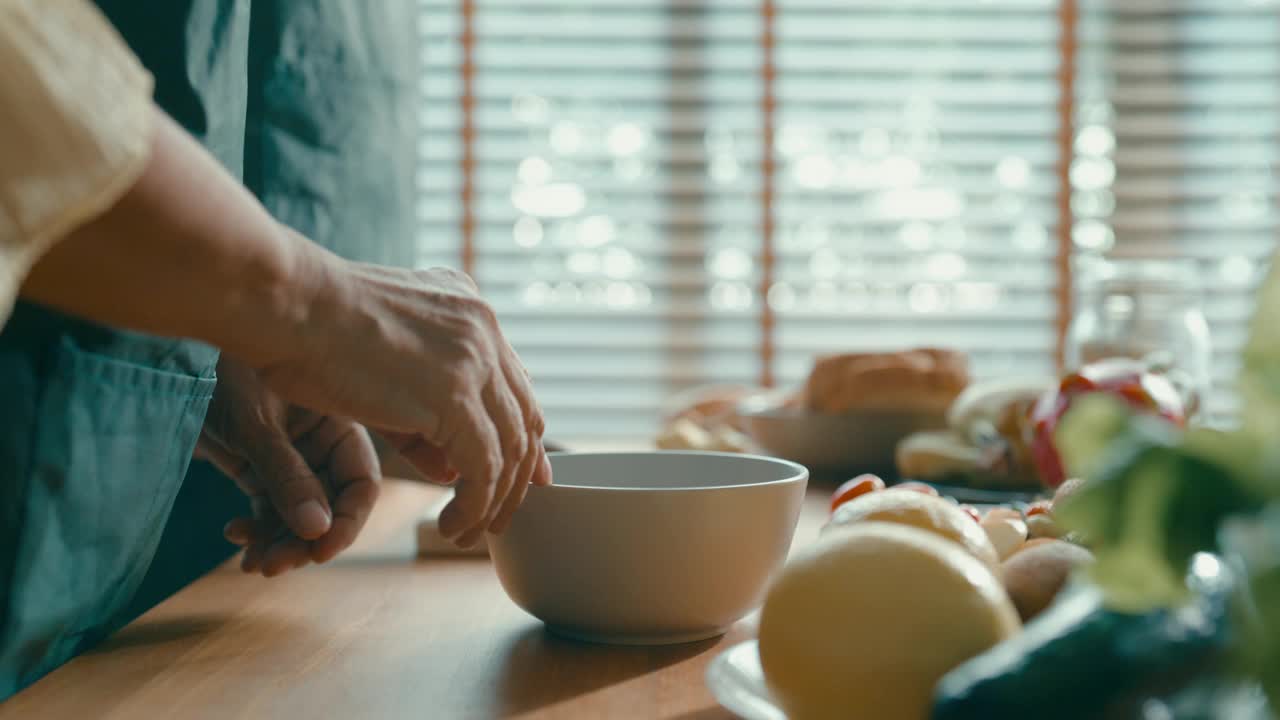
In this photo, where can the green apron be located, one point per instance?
(308, 100)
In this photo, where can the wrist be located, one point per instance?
(282, 292)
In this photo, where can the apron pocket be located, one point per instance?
(112, 443)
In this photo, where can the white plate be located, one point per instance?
(737, 682)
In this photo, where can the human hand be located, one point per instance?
(419, 356)
(311, 479)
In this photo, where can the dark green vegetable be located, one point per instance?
(1081, 660)
(1154, 499)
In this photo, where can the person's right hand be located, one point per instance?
(418, 356)
(187, 251)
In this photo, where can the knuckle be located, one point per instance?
(453, 279)
(459, 375)
(479, 456)
(457, 419)
(470, 345)
(491, 464)
(481, 312)
(459, 277)
(537, 423)
(470, 342)
(514, 451)
(442, 271)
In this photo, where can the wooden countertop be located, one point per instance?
(375, 634)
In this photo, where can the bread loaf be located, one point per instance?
(925, 380)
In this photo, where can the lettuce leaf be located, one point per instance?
(1155, 498)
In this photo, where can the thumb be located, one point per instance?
(294, 490)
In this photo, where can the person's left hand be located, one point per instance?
(311, 479)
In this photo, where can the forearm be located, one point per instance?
(186, 252)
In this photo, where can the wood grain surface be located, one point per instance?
(375, 634)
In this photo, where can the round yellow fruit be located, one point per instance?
(1006, 535)
(866, 621)
(935, 514)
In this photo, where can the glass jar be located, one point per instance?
(1144, 309)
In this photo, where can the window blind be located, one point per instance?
(1177, 147)
(656, 195)
(617, 154)
(917, 184)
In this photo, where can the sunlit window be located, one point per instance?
(618, 178)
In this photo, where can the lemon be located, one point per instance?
(866, 621)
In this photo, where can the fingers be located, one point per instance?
(519, 425)
(517, 378)
(350, 511)
(354, 474)
(534, 467)
(543, 477)
(251, 561)
(254, 533)
(239, 531)
(508, 418)
(522, 387)
(270, 548)
(530, 469)
(342, 452)
(511, 403)
(288, 553)
(295, 491)
(540, 469)
(475, 449)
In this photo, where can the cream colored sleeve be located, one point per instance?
(75, 127)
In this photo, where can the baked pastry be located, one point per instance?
(687, 434)
(704, 419)
(995, 416)
(938, 455)
(707, 405)
(925, 380)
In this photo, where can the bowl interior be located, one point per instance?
(669, 470)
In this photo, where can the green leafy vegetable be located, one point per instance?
(1154, 498)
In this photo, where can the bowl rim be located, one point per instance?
(799, 473)
(768, 405)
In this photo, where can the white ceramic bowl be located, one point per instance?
(852, 442)
(650, 548)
